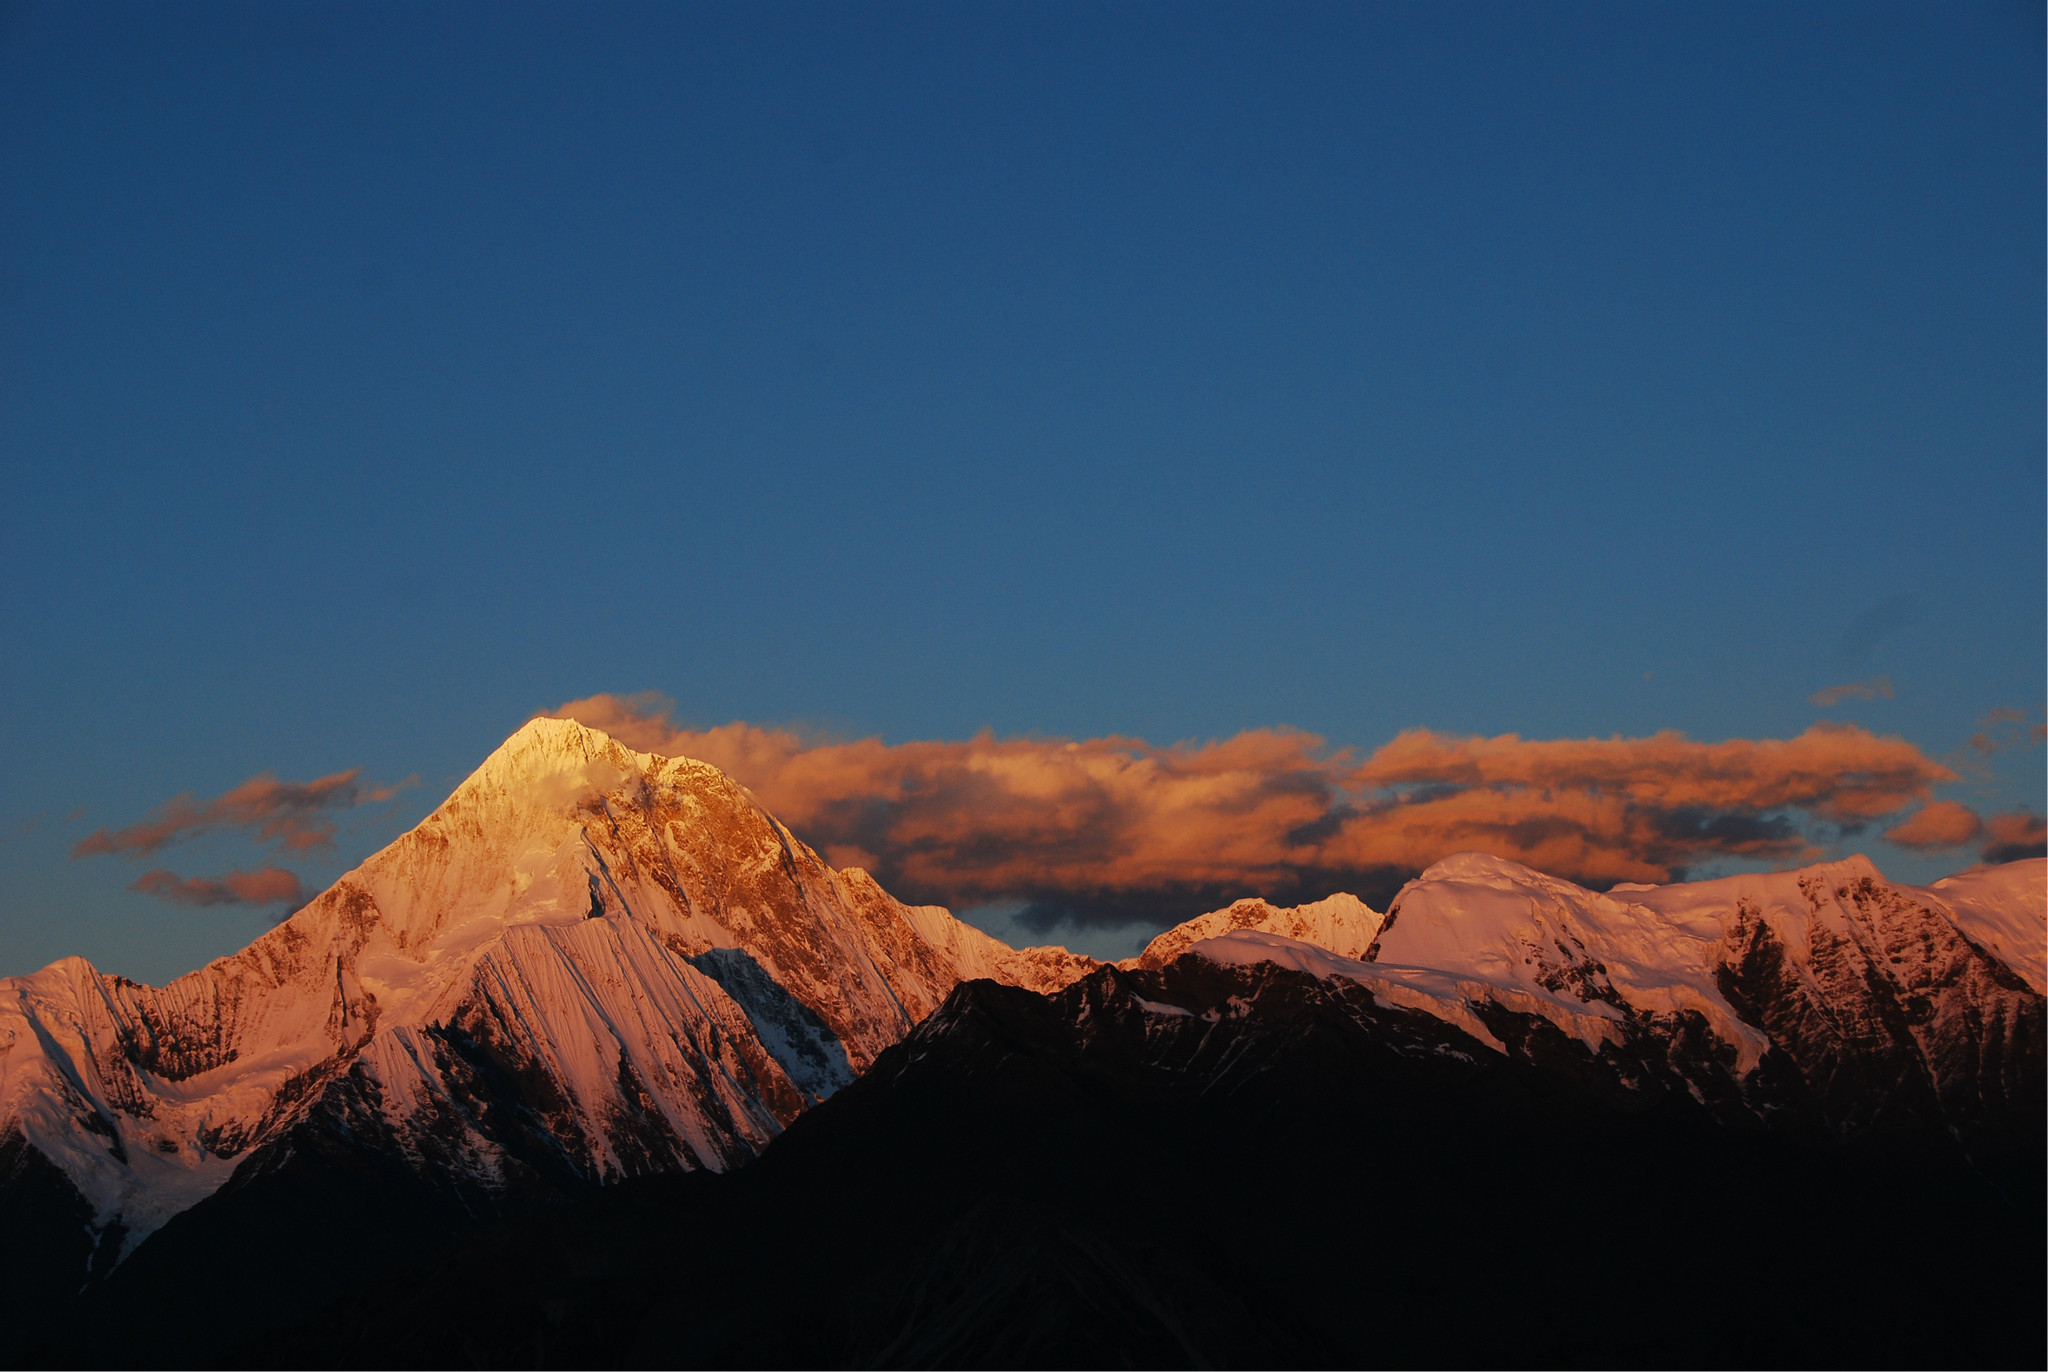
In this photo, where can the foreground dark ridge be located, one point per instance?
(1211, 1165)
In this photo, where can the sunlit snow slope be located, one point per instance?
(664, 974)
(1341, 923)
(1825, 998)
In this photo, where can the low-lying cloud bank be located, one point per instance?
(1111, 830)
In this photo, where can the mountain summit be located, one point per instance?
(587, 964)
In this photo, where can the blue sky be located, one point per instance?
(372, 377)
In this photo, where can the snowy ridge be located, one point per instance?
(966, 951)
(2003, 909)
(1892, 1004)
(1342, 923)
(1581, 959)
(671, 971)
(1451, 998)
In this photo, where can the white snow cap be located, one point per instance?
(637, 925)
(1477, 928)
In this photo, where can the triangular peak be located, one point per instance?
(545, 741)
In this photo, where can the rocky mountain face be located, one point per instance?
(588, 964)
(594, 974)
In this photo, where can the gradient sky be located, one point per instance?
(373, 377)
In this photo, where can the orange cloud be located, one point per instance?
(988, 817)
(290, 813)
(2015, 836)
(1944, 824)
(1837, 771)
(261, 887)
(1878, 688)
(2005, 727)
(1111, 823)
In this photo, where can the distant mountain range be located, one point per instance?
(498, 1095)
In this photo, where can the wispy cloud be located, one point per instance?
(292, 814)
(1110, 824)
(1998, 730)
(265, 886)
(2006, 727)
(1877, 688)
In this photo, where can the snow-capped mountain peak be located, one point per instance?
(671, 973)
(590, 963)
